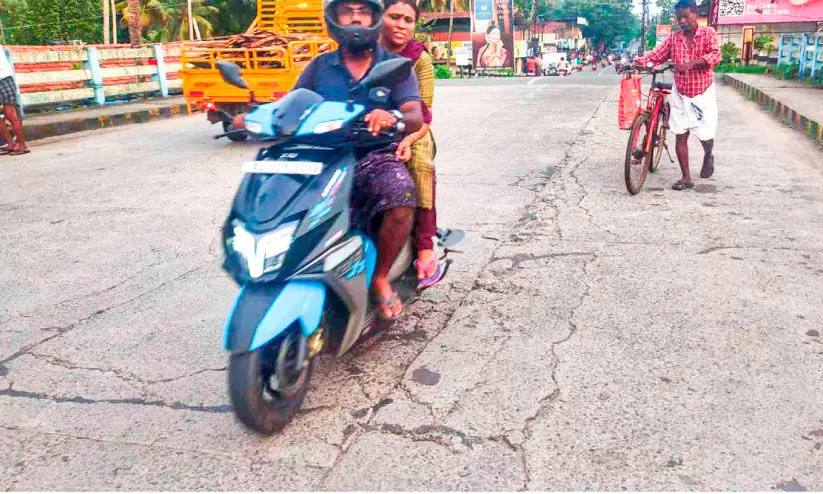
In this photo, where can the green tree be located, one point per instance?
(50, 21)
(666, 10)
(233, 16)
(609, 20)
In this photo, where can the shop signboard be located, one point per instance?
(662, 33)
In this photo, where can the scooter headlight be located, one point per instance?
(329, 126)
(264, 253)
(254, 127)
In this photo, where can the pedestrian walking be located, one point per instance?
(695, 51)
(8, 101)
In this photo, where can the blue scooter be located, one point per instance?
(304, 272)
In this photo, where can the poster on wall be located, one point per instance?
(438, 49)
(766, 11)
(493, 38)
(662, 33)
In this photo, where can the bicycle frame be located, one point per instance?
(654, 105)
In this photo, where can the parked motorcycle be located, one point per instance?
(304, 272)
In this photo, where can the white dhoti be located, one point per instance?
(697, 115)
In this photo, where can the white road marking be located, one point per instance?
(534, 80)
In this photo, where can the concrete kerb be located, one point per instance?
(813, 129)
(34, 131)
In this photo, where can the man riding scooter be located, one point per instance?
(383, 198)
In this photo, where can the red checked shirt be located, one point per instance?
(677, 49)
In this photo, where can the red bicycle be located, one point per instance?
(647, 139)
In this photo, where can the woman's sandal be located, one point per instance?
(387, 305)
(18, 152)
(439, 269)
(682, 185)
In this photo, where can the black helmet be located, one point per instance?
(354, 38)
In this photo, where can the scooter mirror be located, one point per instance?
(230, 73)
(387, 73)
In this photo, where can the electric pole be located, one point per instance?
(106, 26)
(644, 22)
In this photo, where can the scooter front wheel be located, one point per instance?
(237, 137)
(265, 387)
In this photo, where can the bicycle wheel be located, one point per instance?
(637, 162)
(659, 144)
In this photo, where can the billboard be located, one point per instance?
(492, 35)
(439, 52)
(766, 11)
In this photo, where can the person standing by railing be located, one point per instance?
(8, 100)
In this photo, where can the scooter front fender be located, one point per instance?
(262, 312)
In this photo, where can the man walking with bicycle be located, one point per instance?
(695, 51)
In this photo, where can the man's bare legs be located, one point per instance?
(17, 128)
(708, 158)
(4, 132)
(682, 148)
(394, 233)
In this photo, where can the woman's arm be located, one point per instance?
(424, 69)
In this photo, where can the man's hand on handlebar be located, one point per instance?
(379, 120)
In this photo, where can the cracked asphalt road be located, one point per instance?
(586, 339)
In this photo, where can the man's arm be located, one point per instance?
(713, 57)
(709, 59)
(412, 115)
(405, 96)
(658, 55)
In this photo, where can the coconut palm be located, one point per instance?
(167, 20)
(133, 21)
(444, 5)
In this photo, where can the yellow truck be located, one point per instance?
(271, 70)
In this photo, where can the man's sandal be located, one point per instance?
(682, 185)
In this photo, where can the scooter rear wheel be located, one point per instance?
(259, 405)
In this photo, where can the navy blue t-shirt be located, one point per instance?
(327, 76)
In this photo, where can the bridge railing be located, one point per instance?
(61, 75)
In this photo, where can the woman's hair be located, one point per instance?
(410, 3)
(492, 27)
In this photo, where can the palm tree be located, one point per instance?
(135, 28)
(533, 11)
(168, 20)
(444, 5)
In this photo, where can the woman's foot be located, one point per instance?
(386, 299)
(426, 263)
